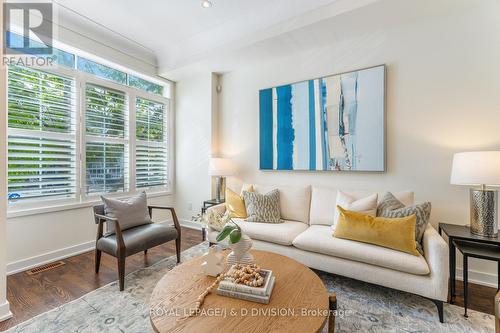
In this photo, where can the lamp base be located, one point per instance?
(483, 212)
(218, 194)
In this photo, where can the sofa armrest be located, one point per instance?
(219, 209)
(436, 254)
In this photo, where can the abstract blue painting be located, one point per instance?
(332, 123)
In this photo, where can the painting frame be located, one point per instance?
(379, 163)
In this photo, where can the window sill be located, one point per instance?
(19, 212)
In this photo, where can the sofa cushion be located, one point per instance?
(323, 203)
(294, 201)
(318, 238)
(280, 233)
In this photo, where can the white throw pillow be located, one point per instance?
(364, 205)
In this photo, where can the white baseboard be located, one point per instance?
(28, 263)
(5, 311)
(477, 277)
(190, 224)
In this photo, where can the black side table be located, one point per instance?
(209, 203)
(471, 249)
(476, 246)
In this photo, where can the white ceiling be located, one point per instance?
(181, 33)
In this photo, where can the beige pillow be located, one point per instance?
(264, 208)
(130, 212)
(367, 204)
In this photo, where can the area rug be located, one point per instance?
(367, 308)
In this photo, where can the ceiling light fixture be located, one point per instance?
(206, 4)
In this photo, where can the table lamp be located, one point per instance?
(482, 169)
(220, 168)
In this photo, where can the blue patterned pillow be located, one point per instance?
(392, 207)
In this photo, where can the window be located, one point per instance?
(84, 129)
(145, 85)
(105, 122)
(151, 146)
(41, 141)
(60, 57)
(100, 70)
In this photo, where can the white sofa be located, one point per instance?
(306, 236)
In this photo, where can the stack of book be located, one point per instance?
(260, 294)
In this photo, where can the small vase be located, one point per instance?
(240, 253)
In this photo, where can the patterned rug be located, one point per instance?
(368, 308)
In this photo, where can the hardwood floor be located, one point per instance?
(481, 298)
(30, 295)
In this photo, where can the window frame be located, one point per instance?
(20, 208)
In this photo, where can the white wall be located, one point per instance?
(194, 122)
(443, 84)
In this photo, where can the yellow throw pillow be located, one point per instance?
(394, 233)
(235, 205)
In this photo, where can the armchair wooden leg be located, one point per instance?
(178, 249)
(333, 307)
(145, 252)
(121, 272)
(97, 261)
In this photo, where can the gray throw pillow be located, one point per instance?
(131, 212)
(391, 207)
(263, 207)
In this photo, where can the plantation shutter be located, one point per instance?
(41, 134)
(151, 144)
(106, 146)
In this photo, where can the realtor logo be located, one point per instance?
(35, 21)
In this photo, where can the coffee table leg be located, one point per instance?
(333, 307)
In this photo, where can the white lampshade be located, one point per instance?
(476, 168)
(220, 167)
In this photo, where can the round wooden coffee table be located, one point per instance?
(299, 301)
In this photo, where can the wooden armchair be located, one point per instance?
(124, 243)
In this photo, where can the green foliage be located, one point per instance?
(224, 232)
(232, 230)
(106, 72)
(149, 120)
(235, 236)
(39, 101)
(145, 85)
(105, 111)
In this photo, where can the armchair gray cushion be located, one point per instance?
(138, 238)
(130, 212)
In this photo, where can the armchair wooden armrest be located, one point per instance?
(100, 219)
(172, 211)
